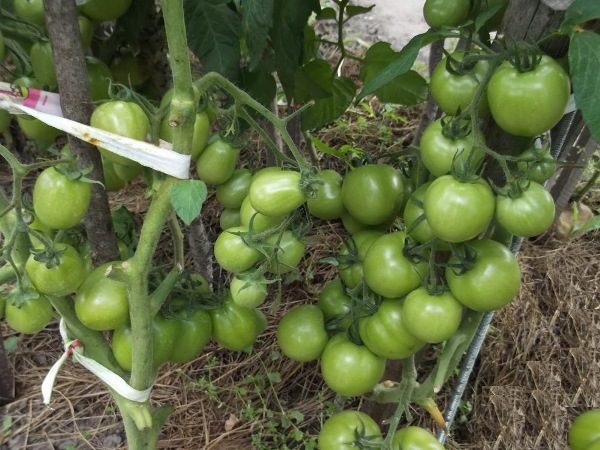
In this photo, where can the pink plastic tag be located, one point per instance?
(43, 101)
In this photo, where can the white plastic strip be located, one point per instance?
(148, 155)
(571, 106)
(111, 379)
(44, 101)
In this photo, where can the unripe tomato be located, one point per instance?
(431, 318)
(127, 172)
(458, 211)
(42, 62)
(491, 282)
(529, 103)
(232, 193)
(58, 201)
(301, 333)
(350, 369)
(529, 214)
(102, 303)
(385, 334)
(585, 430)
(336, 304)
(31, 10)
(62, 279)
(353, 226)
(289, 251)
(194, 332)
(276, 192)
(342, 430)
(415, 438)
(327, 203)
(232, 253)
(4, 120)
(413, 210)
(30, 317)
(86, 30)
(129, 70)
(200, 137)
(235, 327)
(112, 182)
(356, 247)
(250, 292)
(260, 222)
(103, 10)
(537, 165)
(99, 77)
(446, 13)
(230, 218)
(373, 194)
(217, 162)
(122, 118)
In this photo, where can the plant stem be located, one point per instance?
(407, 386)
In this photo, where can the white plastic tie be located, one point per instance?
(112, 380)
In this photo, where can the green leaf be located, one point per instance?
(484, 16)
(257, 20)
(296, 416)
(591, 225)
(287, 37)
(274, 377)
(355, 10)
(213, 32)
(260, 84)
(313, 80)
(326, 110)
(579, 12)
(10, 344)
(134, 20)
(327, 14)
(187, 198)
(584, 62)
(406, 89)
(404, 62)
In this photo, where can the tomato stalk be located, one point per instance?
(408, 384)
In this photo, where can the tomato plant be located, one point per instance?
(353, 254)
(61, 277)
(585, 430)
(288, 251)
(446, 13)
(529, 213)
(415, 438)
(260, 222)
(217, 162)
(235, 327)
(230, 218)
(417, 227)
(42, 63)
(301, 333)
(232, 193)
(31, 11)
(103, 10)
(342, 430)
(30, 316)
(336, 304)
(129, 69)
(250, 292)
(99, 77)
(537, 164)
(232, 253)
(327, 201)
(276, 192)
(200, 136)
(194, 330)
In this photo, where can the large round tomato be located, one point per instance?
(235, 327)
(61, 279)
(439, 153)
(446, 13)
(42, 63)
(230, 218)
(33, 128)
(232, 253)
(216, 163)
(58, 201)
(585, 430)
(336, 304)
(199, 138)
(429, 317)
(385, 334)
(341, 431)
(327, 203)
(288, 250)
(301, 333)
(249, 292)
(232, 193)
(194, 332)
(529, 214)
(453, 92)
(421, 231)
(129, 69)
(103, 10)
(491, 282)
(528, 103)
(537, 164)
(101, 302)
(373, 194)
(123, 118)
(458, 211)
(259, 221)
(31, 11)
(387, 271)
(99, 77)
(415, 438)
(352, 255)
(31, 316)
(276, 192)
(350, 369)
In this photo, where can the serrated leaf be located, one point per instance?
(187, 198)
(326, 110)
(404, 62)
(355, 10)
(584, 62)
(257, 20)
(313, 80)
(327, 14)
(213, 32)
(580, 11)
(287, 37)
(406, 89)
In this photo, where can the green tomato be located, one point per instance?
(34, 129)
(62, 279)
(2, 304)
(103, 10)
(529, 214)
(31, 11)
(431, 318)
(248, 292)
(4, 120)
(446, 13)
(31, 316)
(199, 138)
(122, 118)
(230, 218)
(129, 70)
(102, 303)
(387, 271)
(373, 194)
(421, 231)
(537, 165)
(127, 172)
(276, 192)
(232, 253)
(99, 77)
(58, 201)
(529, 103)
(352, 255)
(585, 430)
(353, 226)
(217, 162)
(260, 222)
(385, 334)
(340, 431)
(42, 62)
(232, 193)
(458, 211)
(236, 327)
(415, 438)
(350, 369)
(86, 30)
(301, 333)
(440, 153)
(194, 332)
(491, 282)
(112, 182)
(327, 203)
(336, 304)
(288, 250)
